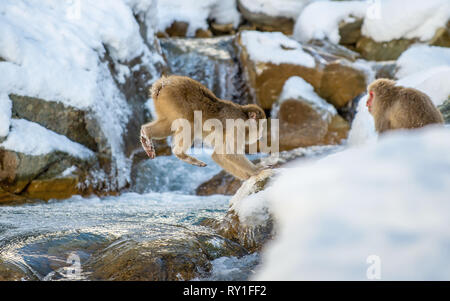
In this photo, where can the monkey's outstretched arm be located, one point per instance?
(158, 129)
(179, 149)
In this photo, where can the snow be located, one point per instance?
(434, 82)
(363, 126)
(196, 13)
(5, 114)
(389, 199)
(32, 139)
(418, 19)
(281, 8)
(420, 58)
(320, 20)
(275, 48)
(297, 88)
(55, 50)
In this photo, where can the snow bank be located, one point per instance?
(275, 48)
(417, 19)
(55, 50)
(32, 139)
(196, 13)
(363, 126)
(297, 88)
(420, 58)
(5, 114)
(389, 199)
(280, 8)
(434, 82)
(320, 20)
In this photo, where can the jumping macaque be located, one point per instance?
(395, 107)
(178, 97)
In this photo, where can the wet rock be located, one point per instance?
(330, 52)
(250, 234)
(11, 272)
(183, 256)
(332, 78)
(266, 22)
(210, 61)
(445, 110)
(382, 51)
(222, 183)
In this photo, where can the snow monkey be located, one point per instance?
(395, 107)
(182, 98)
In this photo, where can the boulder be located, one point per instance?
(183, 256)
(11, 272)
(254, 228)
(222, 183)
(350, 32)
(55, 175)
(382, 51)
(442, 37)
(265, 22)
(332, 77)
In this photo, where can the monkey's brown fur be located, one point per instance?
(396, 107)
(178, 97)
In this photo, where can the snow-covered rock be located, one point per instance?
(379, 210)
(192, 16)
(305, 118)
(269, 59)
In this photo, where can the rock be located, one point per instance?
(384, 51)
(24, 177)
(332, 78)
(222, 183)
(264, 22)
(222, 29)
(442, 37)
(73, 123)
(385, 69)
(183, 256)
(203, 33)
(445, 110)
(211, 61)
(330, 52)
(177, 29)
(350, 32)
(251, 235)
(11, 272)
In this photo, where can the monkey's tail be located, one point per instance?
(158, 86)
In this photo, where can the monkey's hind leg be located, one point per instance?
(158, 129)
(179, 149)
(237, 165)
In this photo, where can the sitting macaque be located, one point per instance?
(395, 107)
(178, 97)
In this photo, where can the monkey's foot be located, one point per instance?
(147, 144)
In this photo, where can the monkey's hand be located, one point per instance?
(147, 144)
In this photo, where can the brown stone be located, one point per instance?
(338, 130)
(341, 84)
(332, 79)
(203, 33)
(222, 183)
(350, 32)
(222, 29)
(300, 125)
(382, 51)
(177, 29)
(442, 37)
(265, 22)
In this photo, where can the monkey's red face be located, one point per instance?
(369, 101)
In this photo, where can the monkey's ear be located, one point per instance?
(252, 115)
